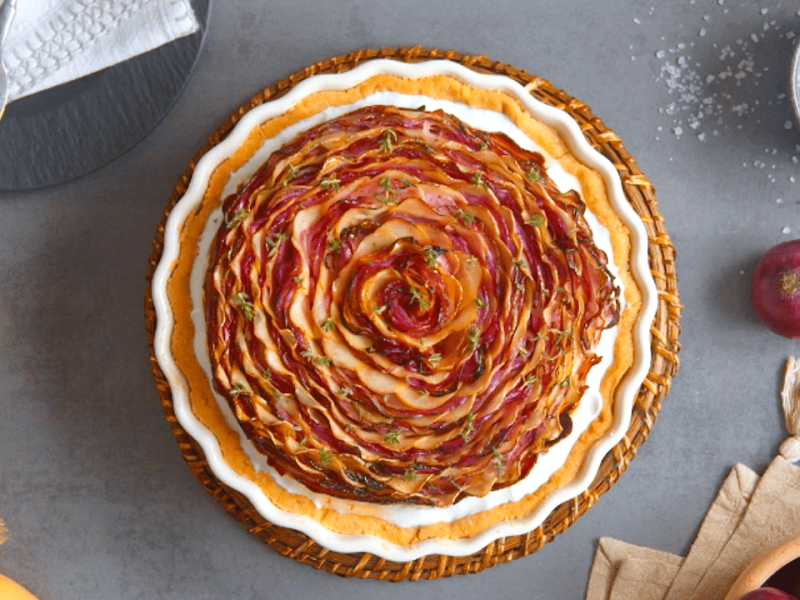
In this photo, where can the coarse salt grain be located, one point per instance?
(787, 125)
(786, 230)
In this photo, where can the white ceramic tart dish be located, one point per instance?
(412, 521)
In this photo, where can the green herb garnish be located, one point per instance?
(242, 302)
(239, 216)
(474, 337)
(389, 138)
(477, 180)
(467, 218)
(329, 183)
(416, 295)
(238, 389)
(468, 428)
(535, 221)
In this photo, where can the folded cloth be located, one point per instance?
(749, 515)
(55, 41)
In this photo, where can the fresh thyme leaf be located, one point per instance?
(519, 286)
(385, 198)
(477, 180)
(323, 360)
(266, 374)
(431, 254)
(480, 302)
(535, 221)
(379, 309)
(291, 172)
(334, 244)
(389, 138)
(528, 380)
(327, 324)
(329, 183)
(325, 456)
(342, 391)
(307, 354)
(533, 174)
(238, 389)
(499, 461)
(239, 216)
(435, 358)
(416, 295)
(298, 280)
(410, 474)
(474, 337)
(392, 437)
(468, 428)
(565, 382)
(466, 217)
(242, 302)
(386, 183)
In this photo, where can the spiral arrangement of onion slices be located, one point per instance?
(402, 308)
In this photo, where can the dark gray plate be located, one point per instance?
(65, 132)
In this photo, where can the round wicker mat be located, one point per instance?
(664, 341)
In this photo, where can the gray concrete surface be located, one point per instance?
(92, 485)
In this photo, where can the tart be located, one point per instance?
(404, 309)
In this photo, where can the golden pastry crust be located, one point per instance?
(204, 404)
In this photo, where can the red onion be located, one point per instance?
(775, 289)
(767, 593)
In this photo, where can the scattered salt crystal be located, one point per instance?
(660, 54)
(795, 160)
(779, 200)
(786, 230)
(792, 179)
(702, 32)
(701, 137)
(740, 272)
(754, 37)
(764, 11)
(710, 78)
(720, 2)
(677, 130)
(787, 125)
(637, 21)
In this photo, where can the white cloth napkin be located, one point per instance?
(55, 41)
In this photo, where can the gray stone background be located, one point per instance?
(92, 484)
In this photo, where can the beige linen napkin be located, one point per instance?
(749, 515)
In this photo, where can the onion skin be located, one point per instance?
(767, 593)
(775, 289)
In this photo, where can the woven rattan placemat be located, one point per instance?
(664, 341)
